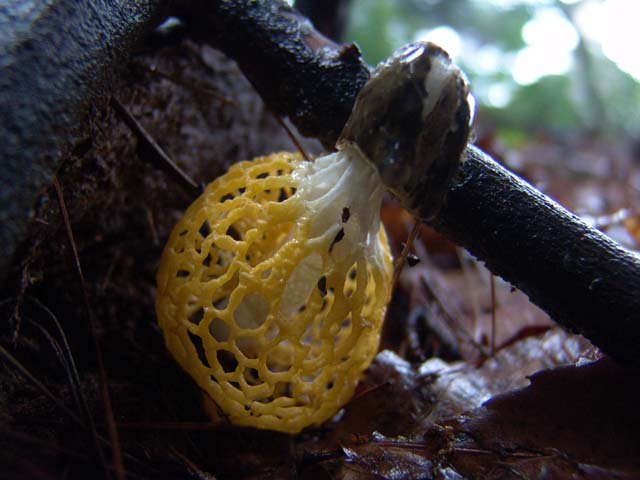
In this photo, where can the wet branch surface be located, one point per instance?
(579, 276)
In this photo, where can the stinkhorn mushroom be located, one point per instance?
(273, 287)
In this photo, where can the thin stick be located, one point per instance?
(29, 376)
(143, 136)
(191, 465)
(450, 319)
(293, 138)
(475, 309)
(188, 85)
(400, 261)
(104, 390)
(492, 345)
(24, 283)
(62, 358)
(21, 437)
(42, 444)
(196, 426)
(369, 391)
(70, 361)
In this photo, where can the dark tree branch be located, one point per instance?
(579, 276)
(298, 72)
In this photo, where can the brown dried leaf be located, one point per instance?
(384, 458)
(402, 400)
(575, 421)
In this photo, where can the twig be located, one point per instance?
(53, 447)
(492, 342)
(159, 154)
(475, 308)
(293, 138)
(188, 85)
(29, 376)
(450, 319)
(192, 466)
(55, 346)
(70, 362)
(400, 261)
(42, 444)
(24, 282)
(196, 426)
(152, 227)
(369, 391)
(104, 389)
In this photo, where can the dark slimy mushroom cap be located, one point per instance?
(412, 120)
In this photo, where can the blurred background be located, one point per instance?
(533, 64)
(557, 85)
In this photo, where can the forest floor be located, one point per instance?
(471, 380)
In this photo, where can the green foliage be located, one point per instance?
(595, 94)
(621, 97)
(378, 27)
(543, 104)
